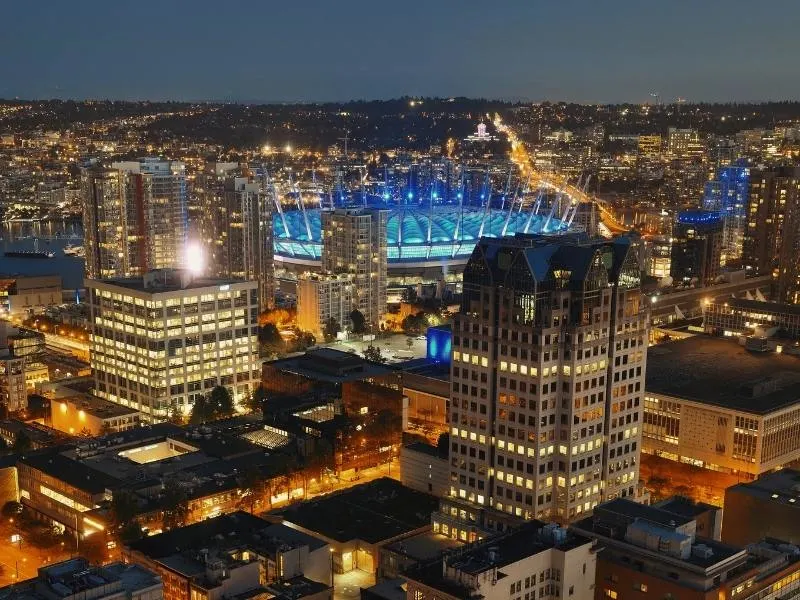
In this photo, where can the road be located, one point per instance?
(521, 157)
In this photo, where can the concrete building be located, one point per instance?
(13, 388)
(766, 507)
(134, 217)
(162, 340)
(235, 207)
(684, 143)
(425, 468)
(22, 296)
(711, 403)
(652, 552)
(649, 146)
(76, 579)
(696, 247)
(90, 415)
(533, 561)
(354, 243)
(232, 555)
(549, 358)
(772, 236)
(322, 297)
(742, 316)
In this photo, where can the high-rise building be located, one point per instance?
(728, 195)
(549, 354)
(354, 243)
(649, 146)
(134, 217)
(684, 143)
(772, 236)
(236, 226)
(696, 247)
(322, 297)
(162, 340)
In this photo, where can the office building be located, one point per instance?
(13, 388)
(162, 340)
(749, 317)
(711, 403)
(322, 297)
(134, 217)
(696, 247)
(354, 243)
(236, 226)
(766, 507)
(684, 143)
(652, 552)
(728, 195)
(533, 561)
(772, 236)
(549, 354)
(232, 555)
(76, 579)
(649, 146)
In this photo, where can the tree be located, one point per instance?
(270, 337)
(174, 505)
(255, 402)
(331, 329)
(443, 444)
(252, 486)
(22, 443)
(415, 324)
(216, 405)
(85, 433)
(358, 321)
(373, 353)
(124, 509)
(175, 416)
(12, 509)
(410, 342)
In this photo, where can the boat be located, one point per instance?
(73, 250)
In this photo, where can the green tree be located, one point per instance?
(174, 504)
(358, 321)
(252, 486)
(410, 342)
(331, 329)
(124, 510)
(216, 405)
(255, 402)
(270, 337)
(373, 353)
(415, 324)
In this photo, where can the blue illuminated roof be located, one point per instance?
(415, 233)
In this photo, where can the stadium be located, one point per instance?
(425, 244)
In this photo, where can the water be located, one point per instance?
(52, 236)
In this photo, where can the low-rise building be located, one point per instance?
(743, 316)
(234, 555)
(24, 295)
(91, 416)
(533, 561)
(651, 552)
(76, 579)
(711, 403)
(766, 507)
(399, 556)
(425, 468)
(360, 521)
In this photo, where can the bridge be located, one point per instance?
(521, 157)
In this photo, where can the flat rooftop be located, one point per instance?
(720, 372)
(98, 407)
(423, 546)
(372, 512)
(137, 284)
(330, 365)
(782, 487)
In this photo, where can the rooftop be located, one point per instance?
(295, 589)
(720, 372)
(782, 487)
(423, 546)
(98, 407)
(768, 307)
(379, 510)
(331, 366)
(161, 281)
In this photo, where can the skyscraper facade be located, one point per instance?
(728, 195)
(354, 243)
(772, 236)
(135, 215)
(236, 225)
(549, 353)
(696, 247)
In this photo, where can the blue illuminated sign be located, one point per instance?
(440, 344)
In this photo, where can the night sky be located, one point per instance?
(314, 50)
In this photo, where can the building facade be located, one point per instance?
(22, 296)
(322, 297)
(549, 357)
(135, 217)
(772, 237)
(354, 243)
(696, 253)
(236, 225)
(742, 316)
(162, 340)
(728, 195)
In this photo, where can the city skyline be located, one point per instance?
(578, 51)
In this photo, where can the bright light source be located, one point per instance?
(195, 261)
(288, 148)
(265, 149)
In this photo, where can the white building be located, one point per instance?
(323, 297)
(162, 340)
(354, 243)
(529, 562)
